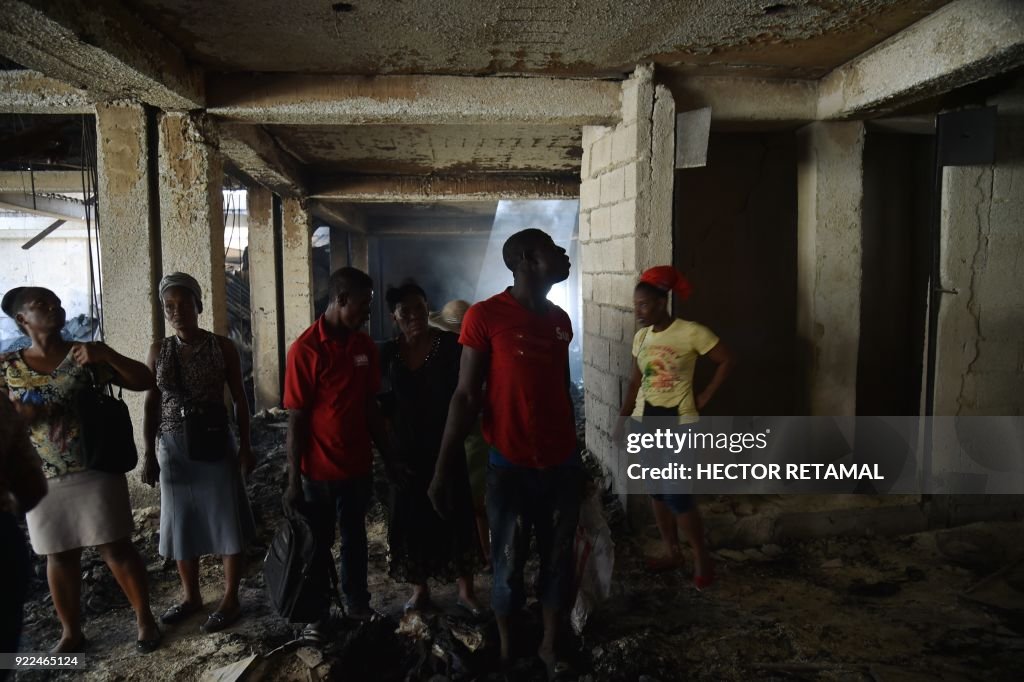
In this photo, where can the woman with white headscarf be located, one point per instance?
(203, 506)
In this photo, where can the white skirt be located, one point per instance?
(82, 509)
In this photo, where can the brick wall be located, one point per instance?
(625, 227)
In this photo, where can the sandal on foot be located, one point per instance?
(148, 646)
(422, 604)
(178, 613)
(313, 633)
(218, 620)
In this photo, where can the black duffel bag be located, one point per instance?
(108, 441)
(295, 584)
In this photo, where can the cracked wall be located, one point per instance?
(980, 362)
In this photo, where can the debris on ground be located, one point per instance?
(942, 604)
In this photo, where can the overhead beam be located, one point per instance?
(336, 216)
(45, 182)
(412, 188)
(101, 46)
(30, 92)
(53, 207)
(736, 99)
(964, 42)
(297, 99)
(256, 154)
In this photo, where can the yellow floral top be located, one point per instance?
(56, 437)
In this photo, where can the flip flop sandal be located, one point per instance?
(312, 633)
(218, 620)
(148, 646)
(178, 613)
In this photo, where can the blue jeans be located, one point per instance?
(546, 503)
(342, 503)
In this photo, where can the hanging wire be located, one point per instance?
(228, 206)
(89, 183)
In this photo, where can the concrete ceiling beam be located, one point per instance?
(102, 47)
(337, 216)
(736, 99)
(45, 182)
(257, 156)
(49, 206)
(294, 99)
(964, 42)
(30, 92)
(414, 188)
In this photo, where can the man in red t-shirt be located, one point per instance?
(517, 344)
(331, 383)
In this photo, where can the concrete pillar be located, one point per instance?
(192, 213)
(297, 277)
(830, 192)
(980, 352)
(339, 247)
(263, 284)
(130, 245)
(625, 227)
(360, 251)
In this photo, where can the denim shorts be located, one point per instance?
(544, 503)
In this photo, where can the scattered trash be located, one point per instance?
(230, 672)
(595, 560)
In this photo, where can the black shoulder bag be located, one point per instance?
(206, 422)
(105, 428)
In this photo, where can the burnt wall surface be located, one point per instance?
(447, 267)
(895, 259)
(735, 238)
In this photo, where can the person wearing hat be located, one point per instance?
(203, 505)
(449, 319)
(665, 352)
(83, 508)
(515, 370)
(420, 369)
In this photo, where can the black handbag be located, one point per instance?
(206, 423)
(107, 438)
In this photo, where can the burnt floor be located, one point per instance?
(937, 605)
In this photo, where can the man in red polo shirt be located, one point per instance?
(517, 344)
(331, 382)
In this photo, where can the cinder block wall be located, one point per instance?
(625, 227)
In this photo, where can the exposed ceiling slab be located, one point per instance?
(451, 149)
(588, 38)
(102, 47)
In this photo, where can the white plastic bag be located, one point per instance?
(595, 559)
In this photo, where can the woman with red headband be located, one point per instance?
(665, 352)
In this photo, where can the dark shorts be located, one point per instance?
(678, 503)
(544, 503)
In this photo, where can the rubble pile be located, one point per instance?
(943, 604)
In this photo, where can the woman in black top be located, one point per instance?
(420, 372)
